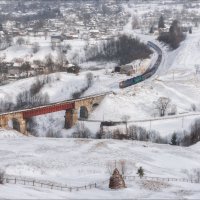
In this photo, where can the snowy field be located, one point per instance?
(77, 162)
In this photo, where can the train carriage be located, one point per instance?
(148, 73)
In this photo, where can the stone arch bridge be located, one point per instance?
(74, 109)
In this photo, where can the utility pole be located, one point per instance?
(150, 125)
(182, 122)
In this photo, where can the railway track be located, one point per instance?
(148, 73)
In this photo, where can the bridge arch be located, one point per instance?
(83, 114)
(94, 106)
(14, 124)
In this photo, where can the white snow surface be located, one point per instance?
(77, 162)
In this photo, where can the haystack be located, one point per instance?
(116, 180)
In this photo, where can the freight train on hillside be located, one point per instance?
(148, 73)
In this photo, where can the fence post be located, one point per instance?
(24, 182)
(15, 181)
(85, 187)
(33, 183)
(95, 185)
(52, 186)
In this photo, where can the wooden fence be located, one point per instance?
(53, 186)
(56, 186)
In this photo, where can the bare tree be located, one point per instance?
(89, 77)
(197, 69)
(125, 119)
(135, 22)
(162, 104)
(61, 60)
(110, 166)
(49, 63)
(123, 167)
(81, 131)
(2, 174)
(195, 132)
(197, 174)
(20, 41)
(35, 47)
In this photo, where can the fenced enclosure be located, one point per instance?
(62, 187)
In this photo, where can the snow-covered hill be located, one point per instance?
(175, 79)
(77, 162)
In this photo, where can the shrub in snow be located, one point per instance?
(140, 172)
(193, 107)
(174, 139)
(53, 134)
(81, 131)
(2, 174)
(133, 133)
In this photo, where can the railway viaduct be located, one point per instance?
(74, 109)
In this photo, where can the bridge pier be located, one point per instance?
(3, 123)
(71, 118)
(18, 123)
(23, 127)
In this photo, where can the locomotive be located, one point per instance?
(148, 73)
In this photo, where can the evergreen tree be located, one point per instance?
(174, 139)
(140, 172)
(161, 23)
(175, 34)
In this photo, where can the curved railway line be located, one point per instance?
(148, 73)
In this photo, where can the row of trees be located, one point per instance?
(124, 50)
(189, 138)
(175, 34)
(141, 134)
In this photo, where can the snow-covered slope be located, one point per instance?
(77, 162)
(10, 133)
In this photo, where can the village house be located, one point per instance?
(56, 40)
